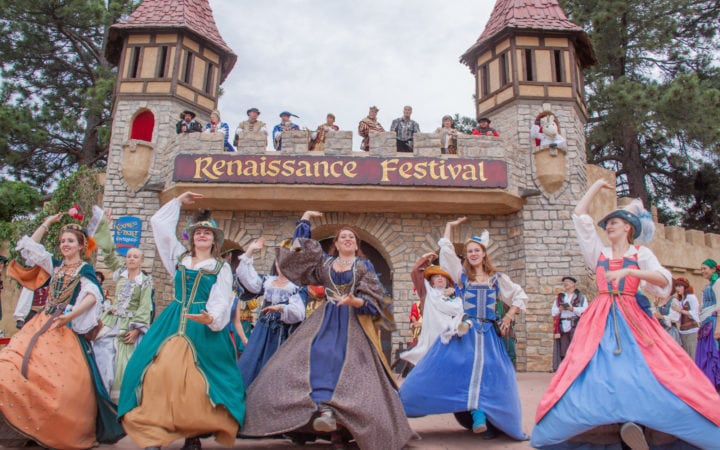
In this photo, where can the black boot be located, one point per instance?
(192, 444)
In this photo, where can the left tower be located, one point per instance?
(170, 57)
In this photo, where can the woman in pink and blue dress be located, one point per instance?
(623, 373)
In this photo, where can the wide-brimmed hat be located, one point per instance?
(251, 110)
(29, 277)
(437, 270)
(203, 220)
(486, 119)
(289, 114)
(187, 111)
(636, 215)
(229, 246)
(567, 277)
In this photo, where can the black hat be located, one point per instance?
(3, 259)
(285, 113)
(486, 119)
(567, 277)
(253, 109)
(187, 111)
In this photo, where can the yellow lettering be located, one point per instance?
(349, 169)
(234, 168)
(288, 168)
(433, 170)
(305, 169)
(333, 172)
(273, 168)
(454, 170)
(263, 170)
(481, 171)
(251, 169)
(469, 173)
(218, 167)
(420, 170)
(201, 168)
(388, 165)
(405, 170)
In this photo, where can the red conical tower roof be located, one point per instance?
(194, 16)
(528, 15)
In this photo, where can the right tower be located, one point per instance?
(528, 65)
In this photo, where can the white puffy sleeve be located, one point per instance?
(164, 222)
(449, 260)
(87, 320)
(247, 274)
(590, 244)
(35, 254)
(648, 261)
(294, 311)
(220, 299)
(511, 293)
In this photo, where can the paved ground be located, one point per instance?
(437, 432)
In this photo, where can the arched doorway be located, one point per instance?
(386, 278)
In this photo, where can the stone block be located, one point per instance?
(712, 240)
(252, 143)
(675, 234)
(695, 237)
(383, 143)
(295, 142)
(338, 143)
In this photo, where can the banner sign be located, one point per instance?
(127, 233)
(341, 170)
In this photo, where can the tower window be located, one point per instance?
(503, 69)
(142, 126)
(187, 68)
(484, 80)
(529, 69)
(163, 61)
(209, 78)
(134, 67)
(558, 62)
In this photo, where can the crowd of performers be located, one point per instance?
(85, 370)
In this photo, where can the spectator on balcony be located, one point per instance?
(284, 125)
(216, 126)
(448, 136)
(405, 128)
(252, 125)
(318, 140)
(187, 123)
(367, 125)
(484, 129)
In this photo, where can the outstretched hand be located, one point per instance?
(307, 215)
(188, 197)
(616, 275)
(457, 221)
(256, 245)
(204, 317)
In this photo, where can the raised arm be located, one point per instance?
(164, 222)
(449, 260)
(245, 271)
(416, 275)
(584, 203)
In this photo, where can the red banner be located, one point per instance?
(365, 170)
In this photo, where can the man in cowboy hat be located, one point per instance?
(284, 125)
(483, 128)
(252, 125)
(187, 123)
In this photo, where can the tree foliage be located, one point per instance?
(56, 87)
(654, 100)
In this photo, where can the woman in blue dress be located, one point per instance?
(483, 379)
(331, 374)
(283, 309)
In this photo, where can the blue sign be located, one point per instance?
(127, 233)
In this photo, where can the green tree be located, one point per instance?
(57, 86)
(464, 124)
(19, 200)
(654, 95)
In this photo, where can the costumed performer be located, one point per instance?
(182, 380)
(622, 367)
(127, 318)
(332, 368)
(282, 311)
(483, 381)
(51, 391)
(442, 309)
(707, 353)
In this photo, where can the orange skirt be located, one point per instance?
(175, 403)
(56, 404)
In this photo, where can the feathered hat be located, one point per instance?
(483, 239)
(437, 270)
(202, 219)
(637, 216)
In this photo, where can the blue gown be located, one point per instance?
(470, 372)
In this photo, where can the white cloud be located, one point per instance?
(312, 57)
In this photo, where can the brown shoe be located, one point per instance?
(633, 436)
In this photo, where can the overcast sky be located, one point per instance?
(311, 57)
